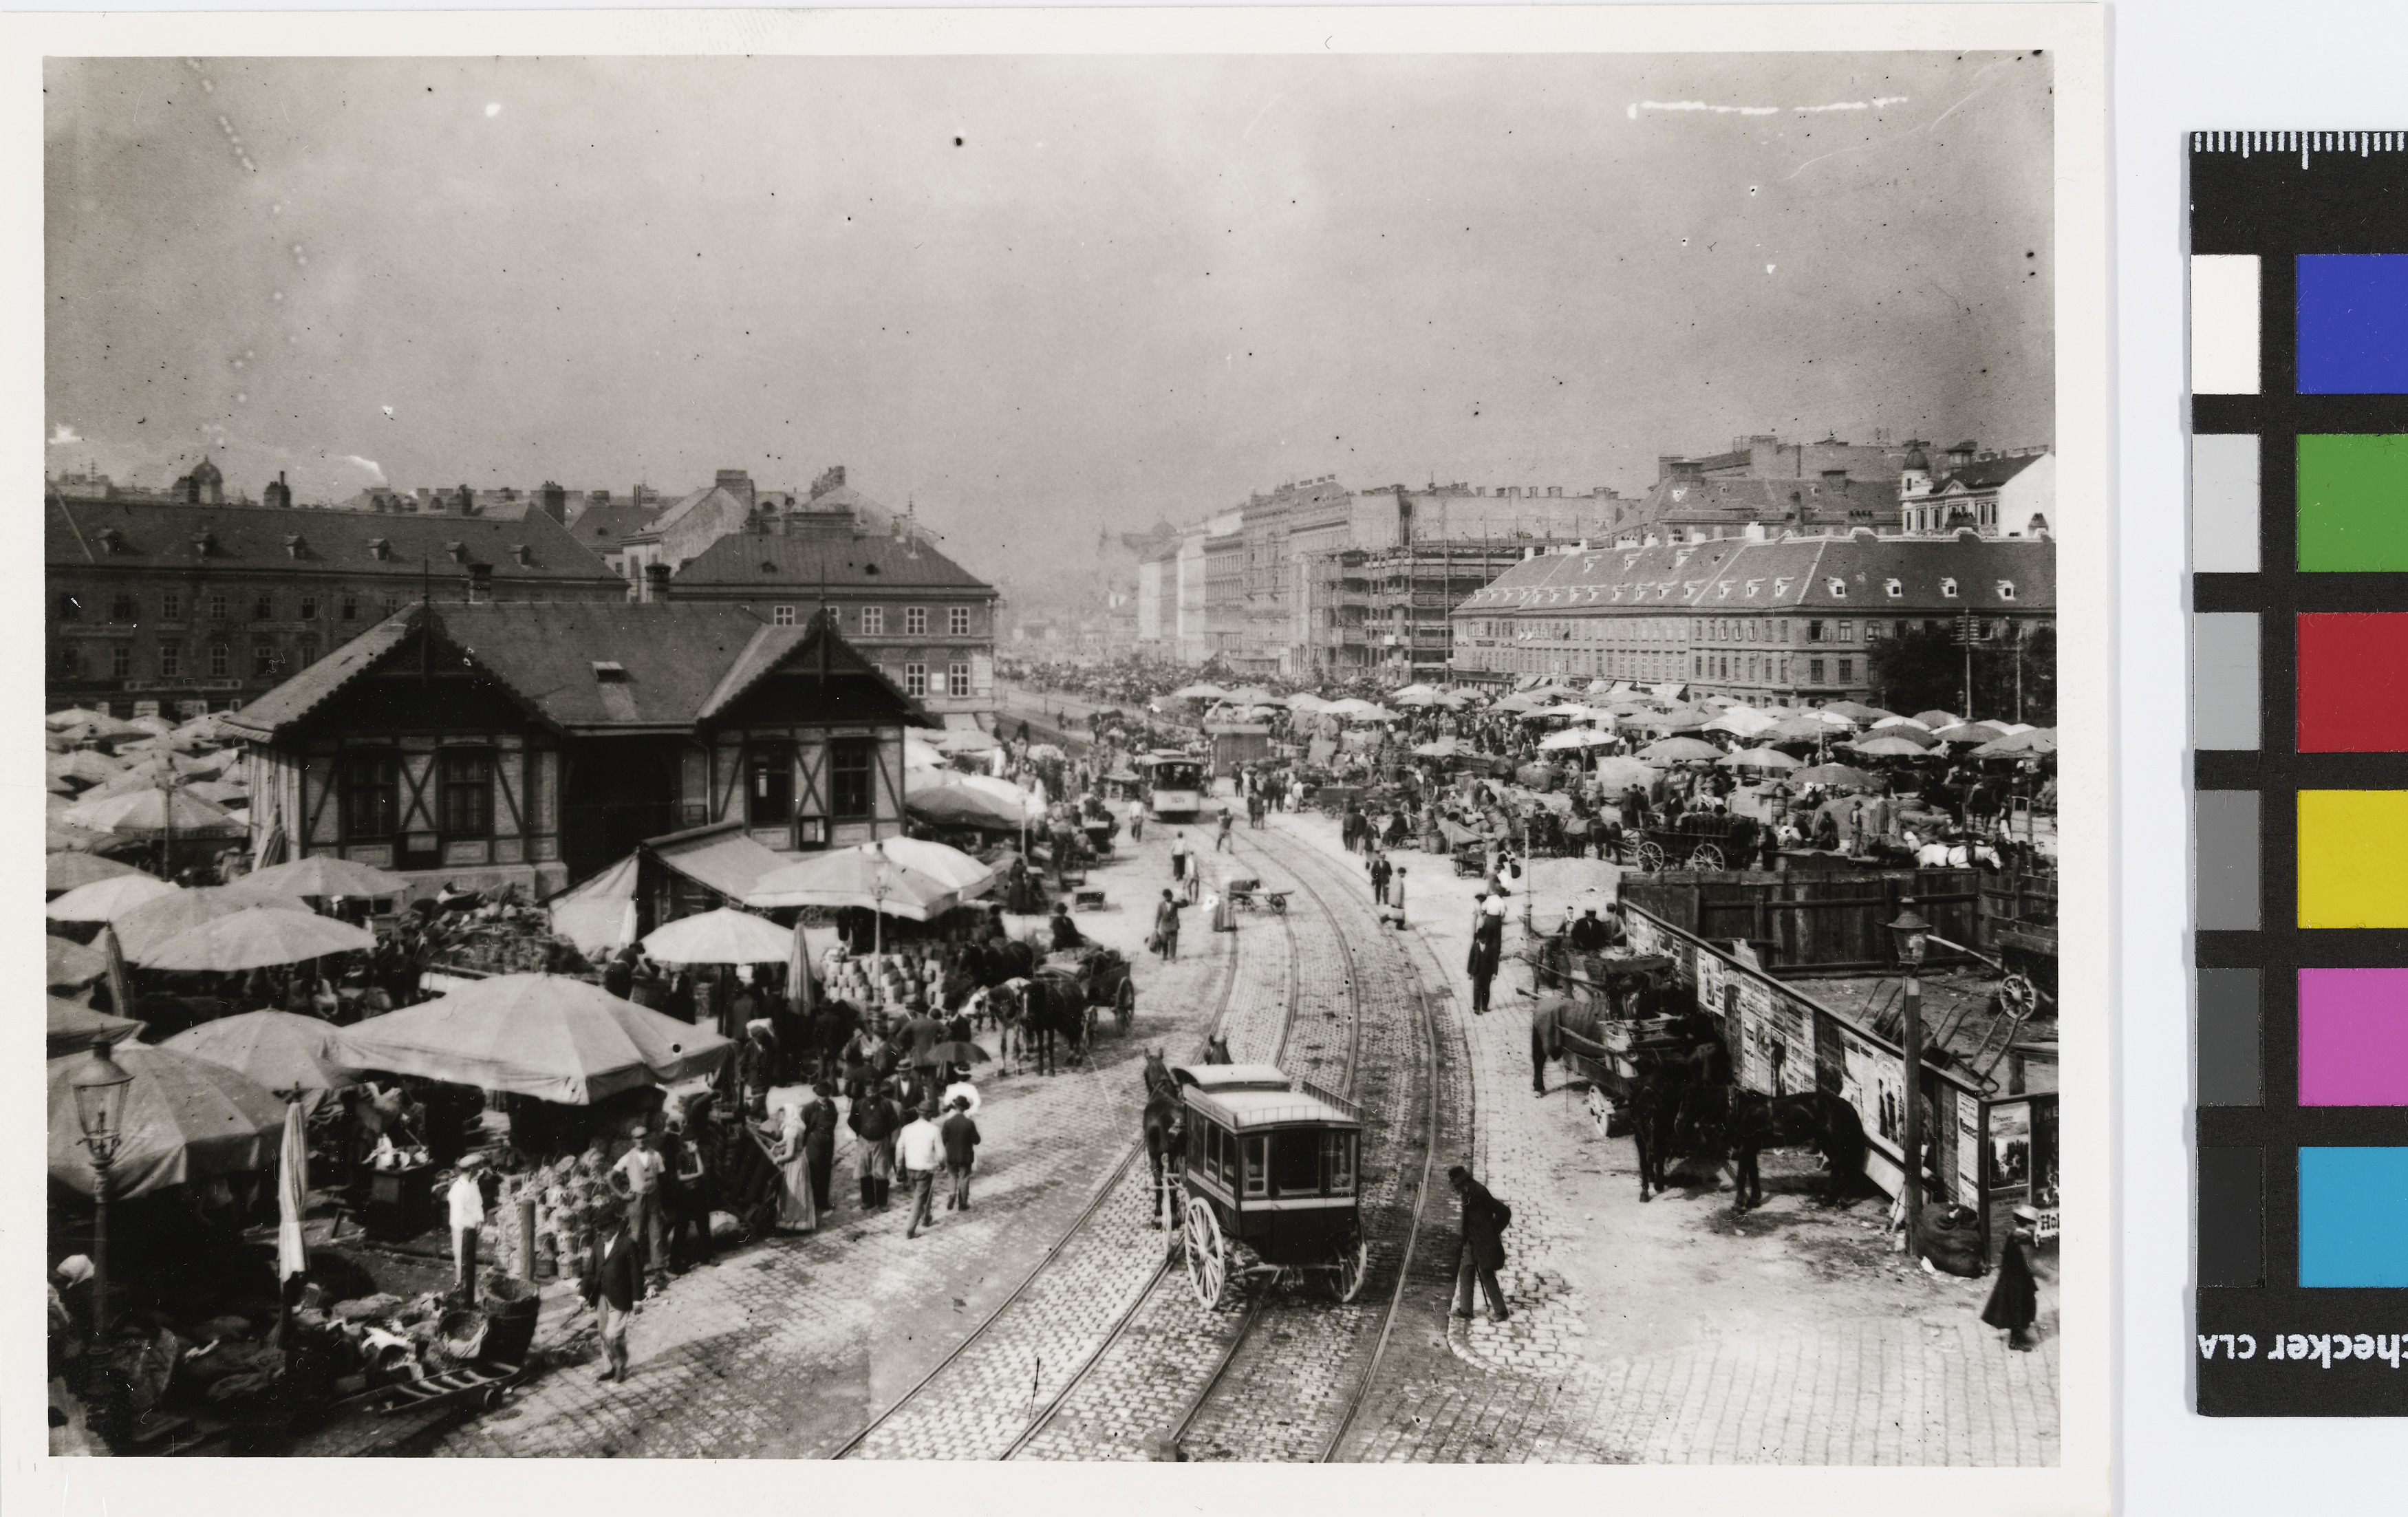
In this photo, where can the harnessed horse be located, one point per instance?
(1165, 1124)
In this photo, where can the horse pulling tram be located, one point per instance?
(1268, 1189)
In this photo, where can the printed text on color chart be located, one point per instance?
(2322, 1349)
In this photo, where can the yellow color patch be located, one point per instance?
(2354, 858)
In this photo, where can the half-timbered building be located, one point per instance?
(530, 746)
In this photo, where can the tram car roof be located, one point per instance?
(1245, 1096)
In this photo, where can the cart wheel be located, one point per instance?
(1651, 857)
(493, 1398)
(1354, 1258)
(1125, 1009)
(1279, 905)
(2017, 996)
(1707, 857)
(1208, 1254)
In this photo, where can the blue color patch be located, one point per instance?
(2353, 338)
(2353, 1216)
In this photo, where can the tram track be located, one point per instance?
(1109, 1187)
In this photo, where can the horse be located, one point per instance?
(1651, 1106)
(1004, 1006)
(1055, 1008)
(1812, 1119)
(1216, 1049)
(1165, 1123)
(1007, 958)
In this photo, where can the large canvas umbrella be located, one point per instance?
(225, 792)
(1760, 758)
(85, 767)
(2019, 744)
(1903, 729)
(66, 871)
(1576, 737)
(1886, 747)
(71, 963)
(940, 860)
(105, 900)
(146, 771)
(1937, 719)
(74, 716)
(1680, 751)
(726, 935)
(1622, 771)
(1857, 711)
(150, 925)
(1968, 732)
(1742, 721)
(261, 933)
(1803, 728)
(1893, 723)
(75, 1025)
(858, 876)
(322, 874)
(1834, 774)
(153, 813)
(185, 1119)
(289, 1054)
(544, 1036)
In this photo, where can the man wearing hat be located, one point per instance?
(1483, 1224)
(636, 1178)
(467, 1202)
(614, 1283)
(2014, 1300)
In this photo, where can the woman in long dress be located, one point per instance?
(791, 1153)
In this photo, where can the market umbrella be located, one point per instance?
(942, 862)
(185, 1119)
(151, 813)
(75, 1025)
(74, 716)
(155, 725)
(1743, 722)
(290, 1054)
(856, 876)
(964, 740)
(1680, 751)
(1908, 732)
(1968, 732)
(1622, 771)
(1834, 774)
(1305, 700)
(85, 767)
(726, 935)
(147, 771)
(1857, 711)
(2019, 744)
(1936, 720)
(1198, 692)
(66, 871)
(325, 875)
(105, 900)
(55, 785)
(545, 1035)
(960, 1052)
(1885, 747)
(222, 792)
(1760, 758)
(71, 963)
(148, 926)
(261, 933)
(1893, 723)
(1803, 728)
(1576, 737)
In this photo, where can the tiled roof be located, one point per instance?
(670, 663)
(795, 565)
(1837, 574)
(601, 527)
(149, 535)
(1987, 473)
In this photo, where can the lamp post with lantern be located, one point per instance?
(1911, 935)
(100, 1087)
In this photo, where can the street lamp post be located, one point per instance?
(1911, 934)
(100, 1088)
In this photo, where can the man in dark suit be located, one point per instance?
(614, 1281)
(1484, 1219)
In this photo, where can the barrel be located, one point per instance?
(511, 1306)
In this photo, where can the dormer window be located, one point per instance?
(2006, 589)
(610, 671)
(111, 541)
(1837, 586)
(292, 545)
(379, 548)
(204, 544)
(1897, 588)
(522, 554)
(1780, 588)
(456, 551)
(1948, 588)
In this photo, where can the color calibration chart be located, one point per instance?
(2299, 523)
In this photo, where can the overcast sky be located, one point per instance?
(1037, 296)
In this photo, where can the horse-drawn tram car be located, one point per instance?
(1174, 785)
(1268, 1181)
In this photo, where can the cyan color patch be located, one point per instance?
(2353, 1217)
(2353, 335)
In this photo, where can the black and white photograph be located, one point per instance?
(1022, 751)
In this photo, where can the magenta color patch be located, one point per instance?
(2354, 1038)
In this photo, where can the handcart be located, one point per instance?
(484, 1384)
(1251, 895)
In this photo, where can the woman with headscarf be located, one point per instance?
(786, 1141)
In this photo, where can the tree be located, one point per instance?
(1925, 667)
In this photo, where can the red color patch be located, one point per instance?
(2354, 682)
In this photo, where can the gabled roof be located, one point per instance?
(1987, 473)
(600, 666)
(794, 566)
(601, 527)
(155, 534)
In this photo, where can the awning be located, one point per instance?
(599, 915)
(724, 861)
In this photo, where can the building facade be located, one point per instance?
(1763, 620)
(2008, 494)
(495, 746)
(170, 609)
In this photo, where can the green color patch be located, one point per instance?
(2353, 504)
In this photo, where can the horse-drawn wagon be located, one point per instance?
(1268, 1184)
(1249, 892)
(1685, 848)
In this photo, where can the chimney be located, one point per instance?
(832, 479)
(554, 502)
(656, 582)
(737, 482)
(278, 495)
(467, 501)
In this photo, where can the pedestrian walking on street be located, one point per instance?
(1166, 929)
(1382, 872)
(1481, 966)
(2014, 1300)
(614, 1281)
(1484, 1221)
(1136, 820)
(1178, 856)
(922, 1149)
(961, 1137)
(873, 1121)
(1221, 834)
(467, 1201)
(636, 1178)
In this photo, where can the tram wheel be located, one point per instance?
(1353, 1262)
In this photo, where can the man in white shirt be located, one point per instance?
(636, 1176)
(467, 1217)
(921, 1150)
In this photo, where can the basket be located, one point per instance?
(463, 1334)
(511, 1310)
